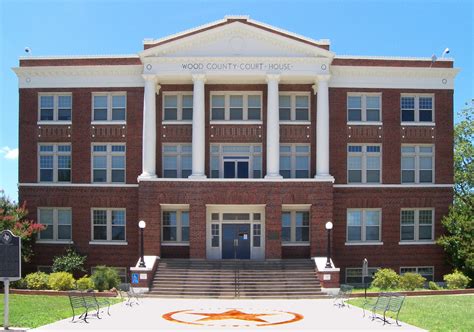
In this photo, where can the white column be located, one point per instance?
(149, 128)
(322, 129)
(273, 128)
(199, 121)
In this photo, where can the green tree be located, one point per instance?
(458, 242)
(14, 218)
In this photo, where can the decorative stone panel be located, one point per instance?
(295, 133)
(364, 132)
(176, 133)
(54, 133)
(418, 134)
(108, 132)
(235, 133)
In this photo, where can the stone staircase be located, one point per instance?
(282, 279)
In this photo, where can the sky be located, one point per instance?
(418, 28)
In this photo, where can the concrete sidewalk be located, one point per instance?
(209, 314)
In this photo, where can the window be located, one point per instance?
(55, 107)
(177, 160)
(295, 226)
(177, 107)
(363, 225)
(363, 163)
(417, 225)
(425, 271)
(354, 275)
(295, 160)
(417, 163)
(109, 106)
(236, 161)
(294, 107)
(236, 107)
(175, 226)
(108, 225)
(417, 108)
(122, 273)
(58, 224)
(108, 163)
(54, 162)
(363, 108)
(215, 235)
(257, 234)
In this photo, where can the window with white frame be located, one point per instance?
(55, 107)
(417, 163)
(417, 108)
(236, 106)
(108, 163)
(363, 107)
(236, 161)
(177, 160)
(363, 163)
(354, 275)
(58, 222)
(54, 162)
(294, 106)
(295, 226)
(295, 160)
(425, 271)
(109, 106)
(108, 225)
(417, 225)
(364, 225)
(175, 226)
(122, 273)
(177, 106)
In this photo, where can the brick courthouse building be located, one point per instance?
(237, 139)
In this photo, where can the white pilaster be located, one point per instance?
(149, 128)
(273, 128)
(322, 129)
(198, 128)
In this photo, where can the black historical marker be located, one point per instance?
(10, 256)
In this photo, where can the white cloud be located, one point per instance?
(9, 153)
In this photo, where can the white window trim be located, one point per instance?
(357, 268)
(178, 155)
(363, 110)
(363, 226)
(293, 96)
(55, 153)
(55, 120)
(221, 154)
(55, 224)
(293, 154)
(416, 226)
(109, 108)
(179, 95)
(108, 225)
(293, 210)
(417, 269)
(417, 121)
(179, 225)
(364, 154)
(108, 154)
(245, 95)
(417, 154)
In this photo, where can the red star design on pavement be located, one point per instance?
(232, 314)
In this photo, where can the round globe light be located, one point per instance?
(142, 224)
(329, 225)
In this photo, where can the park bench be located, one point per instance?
(127, 290)
(79, 303)
(386, 302)
(343, 295)
(91, 297)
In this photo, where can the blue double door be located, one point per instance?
(235, 241)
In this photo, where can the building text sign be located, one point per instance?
(236, 66)
(10, 256)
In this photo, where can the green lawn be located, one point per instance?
(37, 310)
(436, 313)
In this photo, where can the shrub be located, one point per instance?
(386, 279)
(434, 286)
(61, 281)
(71, 262)
(19, 284)
(105, 278)
(411, 281)
(84, 283)
(456, 280)
(37, 280)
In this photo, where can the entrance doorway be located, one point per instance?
(236, 241)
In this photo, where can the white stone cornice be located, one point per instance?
(41, 71)
(272, 78)
(323, 78)
(379, 71)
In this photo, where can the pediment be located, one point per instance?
(236, 39)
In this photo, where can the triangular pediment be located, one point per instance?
(236, 38)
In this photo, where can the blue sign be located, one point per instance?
(134, 278)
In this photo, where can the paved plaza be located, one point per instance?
(208, 314)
